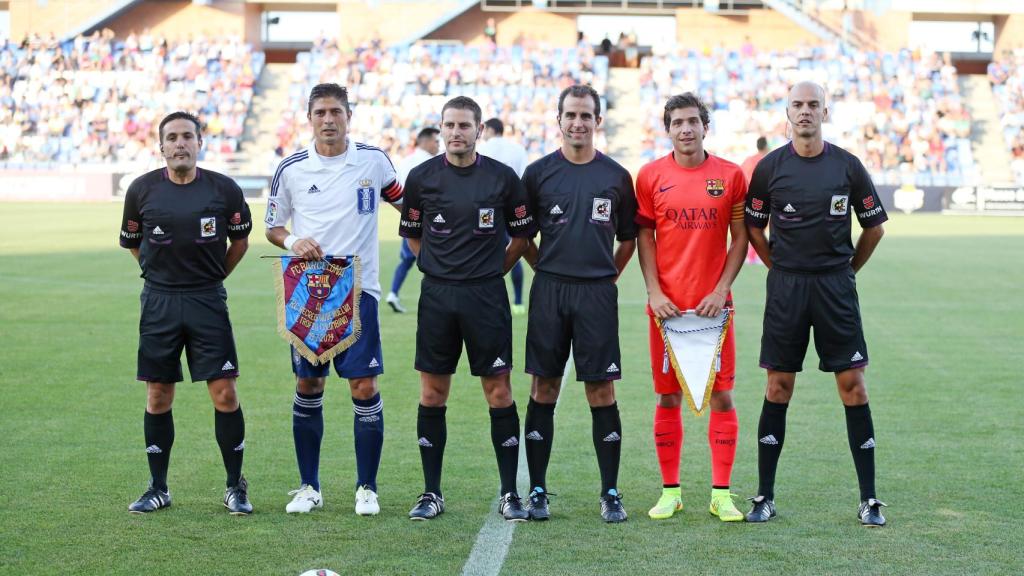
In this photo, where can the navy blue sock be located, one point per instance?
(404, 265)
(517, 283)
(368, 431)
(308, 430)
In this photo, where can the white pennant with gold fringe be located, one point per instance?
(693, 349)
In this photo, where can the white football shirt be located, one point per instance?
(336, 205)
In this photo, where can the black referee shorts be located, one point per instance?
(475, 313)
(796, 302)
(196, 321)
(582, 313)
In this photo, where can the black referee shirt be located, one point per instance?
(809, 203)
(460, 212)
(580, 209)
(181, 231)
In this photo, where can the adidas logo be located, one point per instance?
(535, 436)
(157, 231)
(228, 366)
(313, 189)
(498, 363)
(240, 447)
(856, 357)
(438, 219)
(868, 445)
(425, 443)
(373, 364)
(613, 437)
(153, 449)
(556, 210)
(789, 208)
(512, 441)
(612, 368)
(769, 440)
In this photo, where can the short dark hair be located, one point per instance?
(762, 143)
(464, 103)
(427, 132)
(329, 90)
(180, 115)
(580, 91)
(686, 100)
(496, 125)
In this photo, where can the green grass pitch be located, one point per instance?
(944, 317)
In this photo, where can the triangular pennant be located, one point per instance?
(318, 304)
(693, 345)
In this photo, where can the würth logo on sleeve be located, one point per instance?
(414, 214)
(133, 226)
(869, 202)
(520, 211)
(756, 204)
(715, 187)
(236, 218)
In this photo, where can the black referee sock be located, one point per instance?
(771, 432)
(607, 432)
(159, 432)
(540, 433)
(229, 428)
(505, 438)
(860, 431)
(432, 431)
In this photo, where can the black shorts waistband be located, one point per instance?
(840, 269)
(574, 279)
(151, 287)
(452, 282)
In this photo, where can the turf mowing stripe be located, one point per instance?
(492, 541)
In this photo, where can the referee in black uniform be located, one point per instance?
(809, 190)
(177, 223)
(582, 201)
(456, 208)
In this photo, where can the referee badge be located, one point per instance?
(486, 218)
(840, 205)
(715, 187)
(602, 211)
(366, 196)
(208, 227)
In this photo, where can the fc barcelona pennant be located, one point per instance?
(318, 304)
(693, 348)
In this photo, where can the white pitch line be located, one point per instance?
(495, 536)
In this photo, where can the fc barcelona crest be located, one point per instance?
(715, 187)
(367, 196)
(319, 285)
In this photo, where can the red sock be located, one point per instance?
(722, 432)
(668, 442)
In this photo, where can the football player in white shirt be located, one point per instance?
(514, 156)
(329, 192)
(427, 146)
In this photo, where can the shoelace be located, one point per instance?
(536, 495)
(299, 489)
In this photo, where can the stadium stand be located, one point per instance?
(395, 91)
(1006, 76)
(98, 99)
(901, 113)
